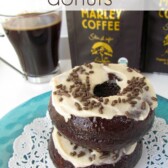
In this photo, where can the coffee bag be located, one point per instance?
(156, 42)
(105, 36)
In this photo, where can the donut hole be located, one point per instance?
(108, 88)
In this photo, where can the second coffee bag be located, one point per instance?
(155, 52)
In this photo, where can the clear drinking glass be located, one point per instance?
(35, 38)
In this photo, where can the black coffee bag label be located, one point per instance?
(105, 36)
(156, 56)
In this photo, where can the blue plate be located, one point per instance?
(11, 126)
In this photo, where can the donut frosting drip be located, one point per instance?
(83, 157)
(73, 92)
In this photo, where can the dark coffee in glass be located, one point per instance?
(35, 38)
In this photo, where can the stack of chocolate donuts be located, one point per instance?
(100, 112)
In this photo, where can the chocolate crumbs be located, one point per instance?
(90, 150)
(119, 100)
(146, 88)
(90, 158)
(73, 153)
(143, 106)
(60, 99)
(133, 102)
(59, 86)
(89, 65)
(59, 133)
(101, 110)
(124, 100)
(104, 155)
(114, 102)
(78, 106)
(91, 72)
(81, 154)
(129, 70)
(75, 147)
(106, 101)
(154, 98)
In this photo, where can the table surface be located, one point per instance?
(14, 89)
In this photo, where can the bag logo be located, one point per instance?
(163, 59)
(101, 49)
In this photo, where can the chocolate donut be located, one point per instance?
(102, 134)
(80, 157)
(104, 107)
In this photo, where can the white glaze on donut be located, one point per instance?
(66, 107)
(90, 157)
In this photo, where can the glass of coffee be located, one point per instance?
(35, 38)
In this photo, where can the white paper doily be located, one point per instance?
(30, 148)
